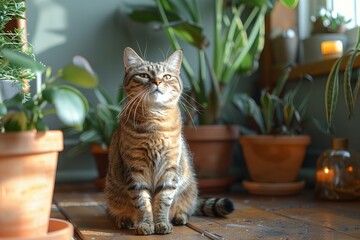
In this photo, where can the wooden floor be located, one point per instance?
(292, 217)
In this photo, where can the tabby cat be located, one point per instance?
(151, 181)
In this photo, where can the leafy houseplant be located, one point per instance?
(237, 44)
(238, 28)
(100, 123)
(276, 153)
(28, 150)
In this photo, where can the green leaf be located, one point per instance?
(288, 112)
(190, 33)
(90, 136)
(14, 121)
(246, 105)
(79, 76)
(71, 106)
(22, 60)
(41, 125)
(102, 96)
(289, 3)
(332, 91)
(280, 83)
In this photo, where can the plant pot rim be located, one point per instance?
(305, 139)
(96, 148)
(24, 142)
(211, 132)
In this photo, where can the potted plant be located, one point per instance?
(238, 28)
(329, 22)
(28, 149)
(100, 123)
(275, 148)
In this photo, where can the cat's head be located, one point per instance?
(153, 83)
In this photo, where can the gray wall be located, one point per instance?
(97, 30)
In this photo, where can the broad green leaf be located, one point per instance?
(79, 76)
(41, 125)
(71, 106)
(83, 63)
(22, 60)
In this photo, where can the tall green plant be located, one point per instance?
(15, 40)
(351, 91)
(236, 45)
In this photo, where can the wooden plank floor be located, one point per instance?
(292, 217)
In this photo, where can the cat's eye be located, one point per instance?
(167, 77)
(144, 75)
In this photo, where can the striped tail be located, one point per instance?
(214, 207)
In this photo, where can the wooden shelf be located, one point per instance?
(315, 69)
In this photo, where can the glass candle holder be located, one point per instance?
(338, 172)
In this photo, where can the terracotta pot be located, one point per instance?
(274, 159)
(28, 163)
(101, 157)
(212, 148)
(58, 230)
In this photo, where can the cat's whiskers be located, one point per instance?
(141, 100)
(128, 104)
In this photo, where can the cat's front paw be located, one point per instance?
(145, 229)
(163, 228)
(180, 219)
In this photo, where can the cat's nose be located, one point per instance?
(156, 81)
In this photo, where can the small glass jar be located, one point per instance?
(338, 172)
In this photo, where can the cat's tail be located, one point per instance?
(214, 207)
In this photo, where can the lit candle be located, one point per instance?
(325, 175)
(331, 49)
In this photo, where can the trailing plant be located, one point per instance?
(15, 40)
(275, 113)
(351, 91)
(238, 40)
(65, 101)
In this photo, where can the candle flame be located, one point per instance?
(326, 170)
(350, 168)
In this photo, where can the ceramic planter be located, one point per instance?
(274, 159)
(28, 163)
(212, 149)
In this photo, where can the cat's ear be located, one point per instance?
(131, 58)
(174, 61)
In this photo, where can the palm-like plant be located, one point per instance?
(237, 44)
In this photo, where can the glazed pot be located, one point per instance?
(273, 158)
(28, 162)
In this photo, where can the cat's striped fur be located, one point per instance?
(151, 180)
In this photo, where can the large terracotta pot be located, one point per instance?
(212, 149)
(274, 159)
(28, 163)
